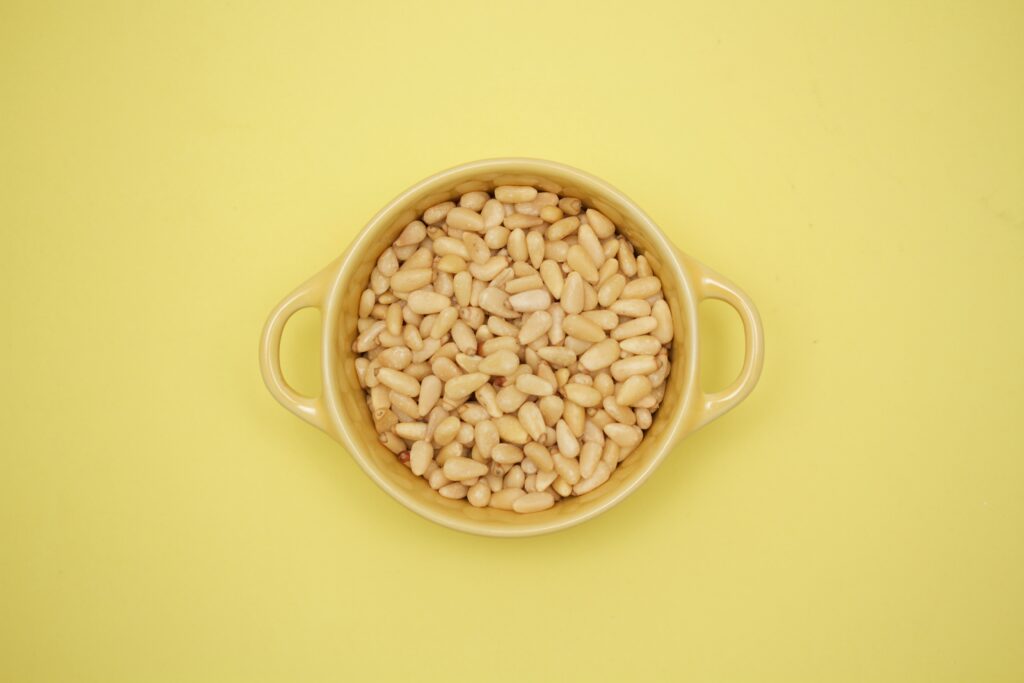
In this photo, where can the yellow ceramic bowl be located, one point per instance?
(341, 410)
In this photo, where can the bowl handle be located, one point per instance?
(310, 294)
(710, 285)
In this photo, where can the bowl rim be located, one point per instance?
(686, 333)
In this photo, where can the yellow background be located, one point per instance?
(169, 170)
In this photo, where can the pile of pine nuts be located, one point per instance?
(513, 348)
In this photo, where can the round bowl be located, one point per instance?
(341, 409)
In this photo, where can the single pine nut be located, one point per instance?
(453, 491)
(641, 288)
(493, 214)
(567, 469)
(533, 385)
(603, 227)
(634, 365)
(624, 435)
(539, 455)
(420, 456)
(430, 393)
(551, 274)
(600, 355)
(633, 389)
(387, 263)
(532, 421)
(505, 498)
(568, 444)
(551, 408)
(462, 386)
(517, 245)
(368, 339)
(412, 234)
(500, 363)
(533, 300)
(590, 455)
(643, 267)
(486, 435)
(645, 345)
(411, 431)
(524, 284)
(462, 218)
(582, 328)
(591, 246)
(459, 469)
(446, 431)
(610, 290)
(580, 262)
(572, 293)
(479, 494)
(513, 194)
(535, 327)
(557, 355)
(563, 228)
(660, 312)
(519, 221)
(570, 205)
(398, 381)
(585, 396)
(435, 214)
(634, 328)
(574, 415)
(631, 308)
(424, 302)
(551, 214)
(601, 474)
(495, 302)
(515, 478)
(618, 412)
(511, 431)
(509, 399)
(533, 502)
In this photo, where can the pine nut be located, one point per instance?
(533, 385)
(567, 468)
(641, 288)
(462, 386)
(601, 474)
(479, 494)
(533, 502)
(610, 290)
(582, 395)
(590, 455)
(624, 435)
(633, 389)
(505, 498)
(539, 455)
(535, 327)
(591, 246)
(511, 431)
(634, 365)
(634, 328)
(532, 421)
(572, 293)
(512, 194)
(582, 328)
(459, 469)
(533, 300)
(631, 308)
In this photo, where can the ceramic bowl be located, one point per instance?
(341, 409)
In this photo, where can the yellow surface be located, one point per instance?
(169, 170)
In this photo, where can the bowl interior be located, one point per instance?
(345, 398)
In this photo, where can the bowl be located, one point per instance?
(341, 409)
